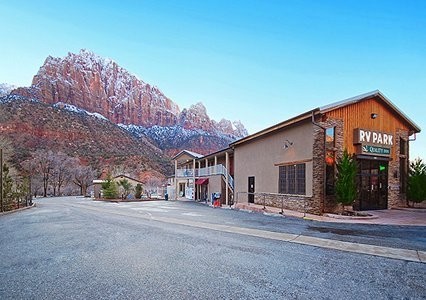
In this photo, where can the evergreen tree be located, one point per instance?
(417, 181)
(138, 191)
(346, 189)
(7, 188)
(109, 187)
(126, 186)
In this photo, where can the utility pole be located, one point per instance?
(1, 179)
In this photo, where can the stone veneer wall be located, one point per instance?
(318, 171)
(330, 204)
(291, 202)
(395, 196)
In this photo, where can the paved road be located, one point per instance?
(73, 248)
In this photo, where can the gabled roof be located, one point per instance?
(217, 153)
(369, 95)
(328, 108)
(190, 153)
(278, 126)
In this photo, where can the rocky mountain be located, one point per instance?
(101, 86)
(32, 125)
(5, 89)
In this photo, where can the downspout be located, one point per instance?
(324, 151)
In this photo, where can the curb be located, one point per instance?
(16, 210)
(411, 209)
(334, 216)
(266, 211)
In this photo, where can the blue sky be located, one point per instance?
(260, 62)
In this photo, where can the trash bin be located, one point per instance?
(166, 196)
(216, 200)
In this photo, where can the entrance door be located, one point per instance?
(251, 189)
(182, 189)
(373, 184)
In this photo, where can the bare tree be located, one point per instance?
(62, 165)
(83, 177)
(30, 170)
(44, 165)
(152, 185)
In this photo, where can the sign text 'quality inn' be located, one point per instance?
(362, 136)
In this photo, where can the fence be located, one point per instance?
(15, 203)
(283, 201)
(204, 172)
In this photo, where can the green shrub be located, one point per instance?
(417, 181)
(346, 188)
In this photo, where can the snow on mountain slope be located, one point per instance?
(99, 85)
(5, 89)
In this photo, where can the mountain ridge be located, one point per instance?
(100, 85)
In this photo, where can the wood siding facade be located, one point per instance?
(358, 115)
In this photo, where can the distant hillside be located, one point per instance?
(33, 125)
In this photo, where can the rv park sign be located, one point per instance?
(373, 142)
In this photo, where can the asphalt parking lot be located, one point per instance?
(74, 248)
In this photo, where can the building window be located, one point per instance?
(403, 165)
(329, 172)
(330, 144)
(402, 147)
(292, 179)
(282, 180)
(300, 182)
(329, 138)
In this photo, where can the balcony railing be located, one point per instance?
(185, 173)
(204, 172)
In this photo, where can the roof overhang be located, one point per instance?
(189, 153)
(217, 153)
(272, 129)
(353, 100)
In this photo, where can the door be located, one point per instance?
(182, 189)
(373, 184)
(251, 189)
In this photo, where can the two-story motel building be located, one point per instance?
(293, 164)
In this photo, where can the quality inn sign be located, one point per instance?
(367, 149)
(373, 142)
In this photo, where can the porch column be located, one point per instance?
(215, 164)
(193, 179)
(176, 182)
(226, 178)
(199, 171)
